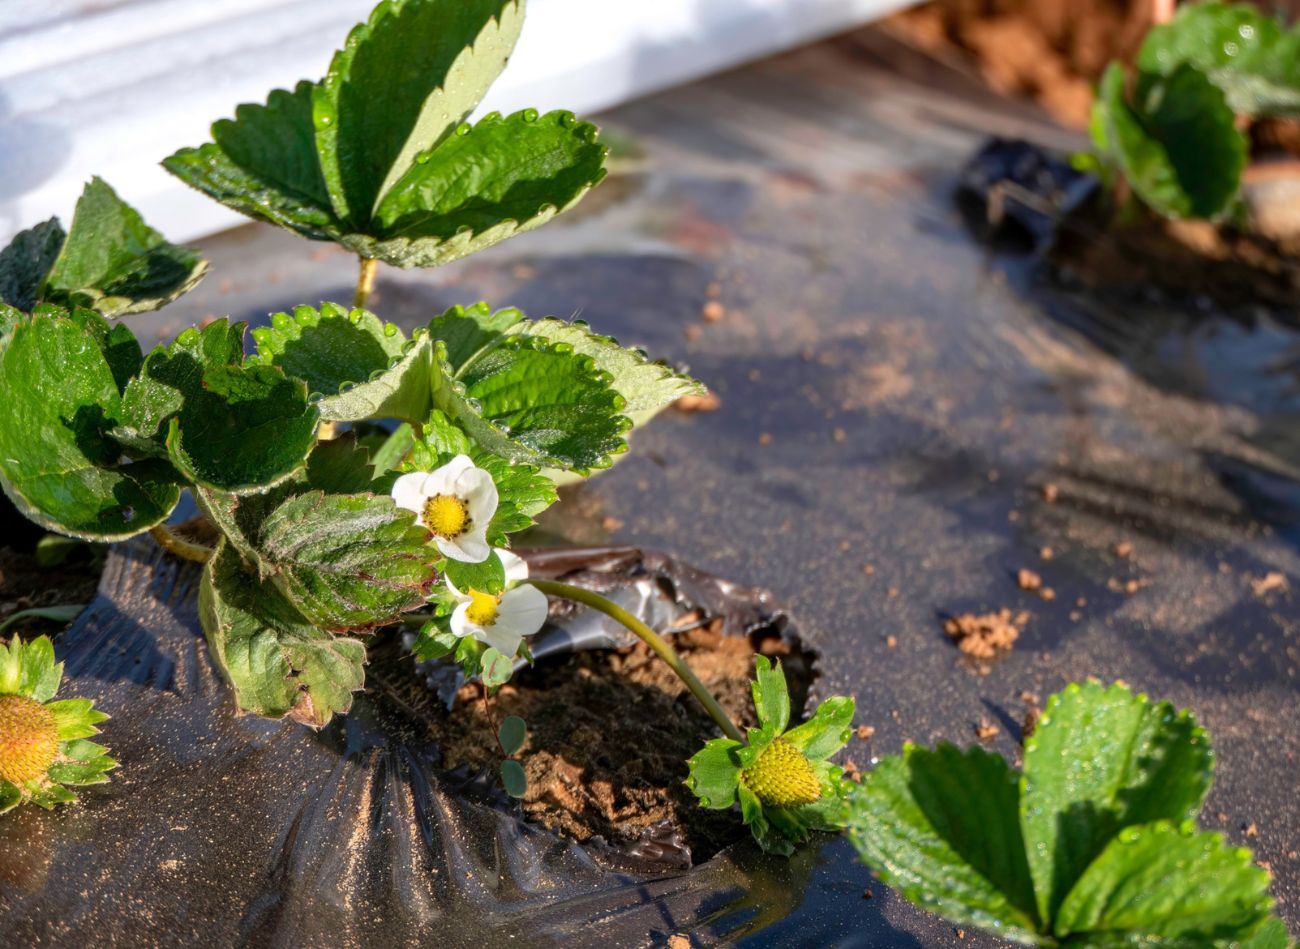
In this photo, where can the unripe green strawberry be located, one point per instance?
(29, 739)
(781, 776)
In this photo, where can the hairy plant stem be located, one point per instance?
(652, 639)
(365, 281)
(184, 549)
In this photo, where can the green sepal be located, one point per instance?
(76, 718)
(715, 773)
(827, 730)
(82, 763)
(29, 669)
(771, 697)
(114, 262)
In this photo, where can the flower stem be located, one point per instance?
(365, 281)
(652, 639)
(173, 544)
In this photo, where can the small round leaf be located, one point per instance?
(512, 734)
(513, 777)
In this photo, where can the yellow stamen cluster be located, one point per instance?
(29, 739)
(482, 609)
(782, 777)
(446, 515)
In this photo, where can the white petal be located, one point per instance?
(501, 638)
(515, 566)
(470, 547)
(407, 491)
(443, 480)
(460, 624)
(523, 610)
(480, 493)
(460, 597)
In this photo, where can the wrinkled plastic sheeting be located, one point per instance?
(222, 828)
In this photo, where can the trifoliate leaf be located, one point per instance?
(1100, 760)
(1163, 882)
(771, 697)
(942, 827)
(487, 182)
(1246, 53)
(363, 367)
(114, 262)
(26, 261)
(429, 62)
(1178, 147)
(248, 428)
(347, 561)
(538, 404)
(171, 375)
(278, 663)
(646, 385)
(512, 734)
(57, 463)
(513, 777)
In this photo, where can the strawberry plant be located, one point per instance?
(1172, 132)
(1094, 843)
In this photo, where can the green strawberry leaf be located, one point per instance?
(486, 577)
(170, 376)
(942, 828)
(646, 385)
(512, 734)
(57, 462)
(429, 62)
(1179, 147)
(495, 667)
(487, 182)
(1103, 759)
(356, 366)
(1246, 53)
(114, 262)
(278, 663)
(26, 261)
(347, 561)
(1272, 935)
(246, 429)
(534, 403)
(468, 332)
(1162, 882)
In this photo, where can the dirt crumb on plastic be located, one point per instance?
(1271, 582)
(679, 941)
(709, 402)
(986, 635)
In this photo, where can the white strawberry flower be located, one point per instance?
(500, 620)
(455, 503)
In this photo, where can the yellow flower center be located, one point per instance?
(29, 739)
(482, 609)
(782, 777)
(446, 515)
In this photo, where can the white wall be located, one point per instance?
(110, 87)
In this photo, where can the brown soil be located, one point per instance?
(24, 584)
(609, 734)
(1191, 258)
(984, 636)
